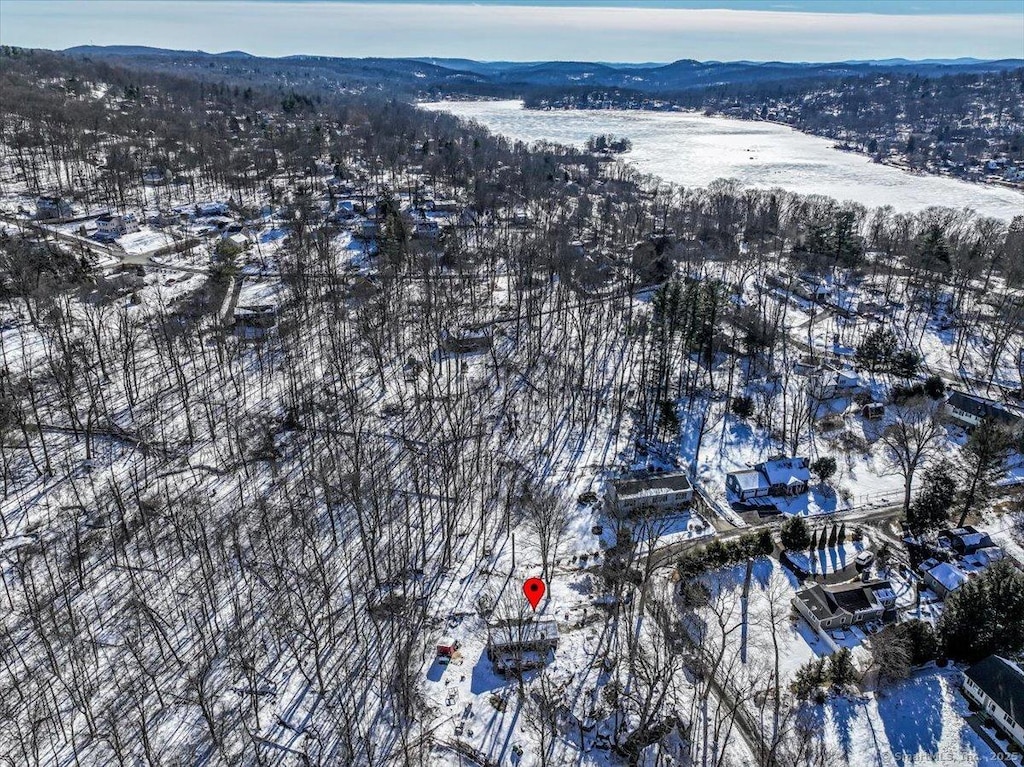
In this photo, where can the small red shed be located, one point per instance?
(447, 646)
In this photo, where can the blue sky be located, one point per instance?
(530, 30)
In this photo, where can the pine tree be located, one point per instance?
(985, 615)
(794, 534)
(930, 508)
(984, 464)
(933, 251)
(841, 670)
(877, 349)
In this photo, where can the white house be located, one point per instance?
(827, 383)
(997, 685)
(111, 226)
(775, 477)
(662, 493)
(969, 410)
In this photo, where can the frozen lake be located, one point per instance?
(693, 150)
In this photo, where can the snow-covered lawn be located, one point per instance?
(144, 242)
(828, 560)
(918, 722)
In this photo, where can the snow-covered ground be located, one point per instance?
(831, 559)
(920, 722)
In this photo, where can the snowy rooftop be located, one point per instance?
(144, 242)
(948, 576)
(786, 471)
(259, 293)
(652, 486)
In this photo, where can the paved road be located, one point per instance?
(100, 250)
(665, 556)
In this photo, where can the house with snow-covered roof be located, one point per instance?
(663, 493)
(942, 577)
(828, 383)
(518, 645)
(965, 540)
(256, 305)
(777, 477)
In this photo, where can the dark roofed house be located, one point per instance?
(52, 207)
(664, 492)
(966, 540)
(970, 410)
(997, 685)
(519, 645)
(833, 607)
(467, 340)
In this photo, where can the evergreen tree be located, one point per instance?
(846, 245)
(905, 363)
(876, 350)
(841, 670)
(930, 508)
(924, 645)
(809, 678)
(824, 468)
(794, 534)
(985, 615)
(984, 464)
(933, 251)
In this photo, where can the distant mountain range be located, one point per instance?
(453, 74)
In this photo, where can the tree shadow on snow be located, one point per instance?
(911, 715)
(845, 712)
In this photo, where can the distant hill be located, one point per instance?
(505, 78)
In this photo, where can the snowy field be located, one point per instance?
(920, 722)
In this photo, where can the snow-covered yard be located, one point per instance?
(829, 560)
(920, 722)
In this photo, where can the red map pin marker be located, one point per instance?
(534, 590)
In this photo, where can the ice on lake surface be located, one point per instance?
(693, 150)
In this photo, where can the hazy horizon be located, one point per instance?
(623, 31)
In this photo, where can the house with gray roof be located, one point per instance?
(847, 604)
(969, 410)
(997, 686)
(660, 492)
